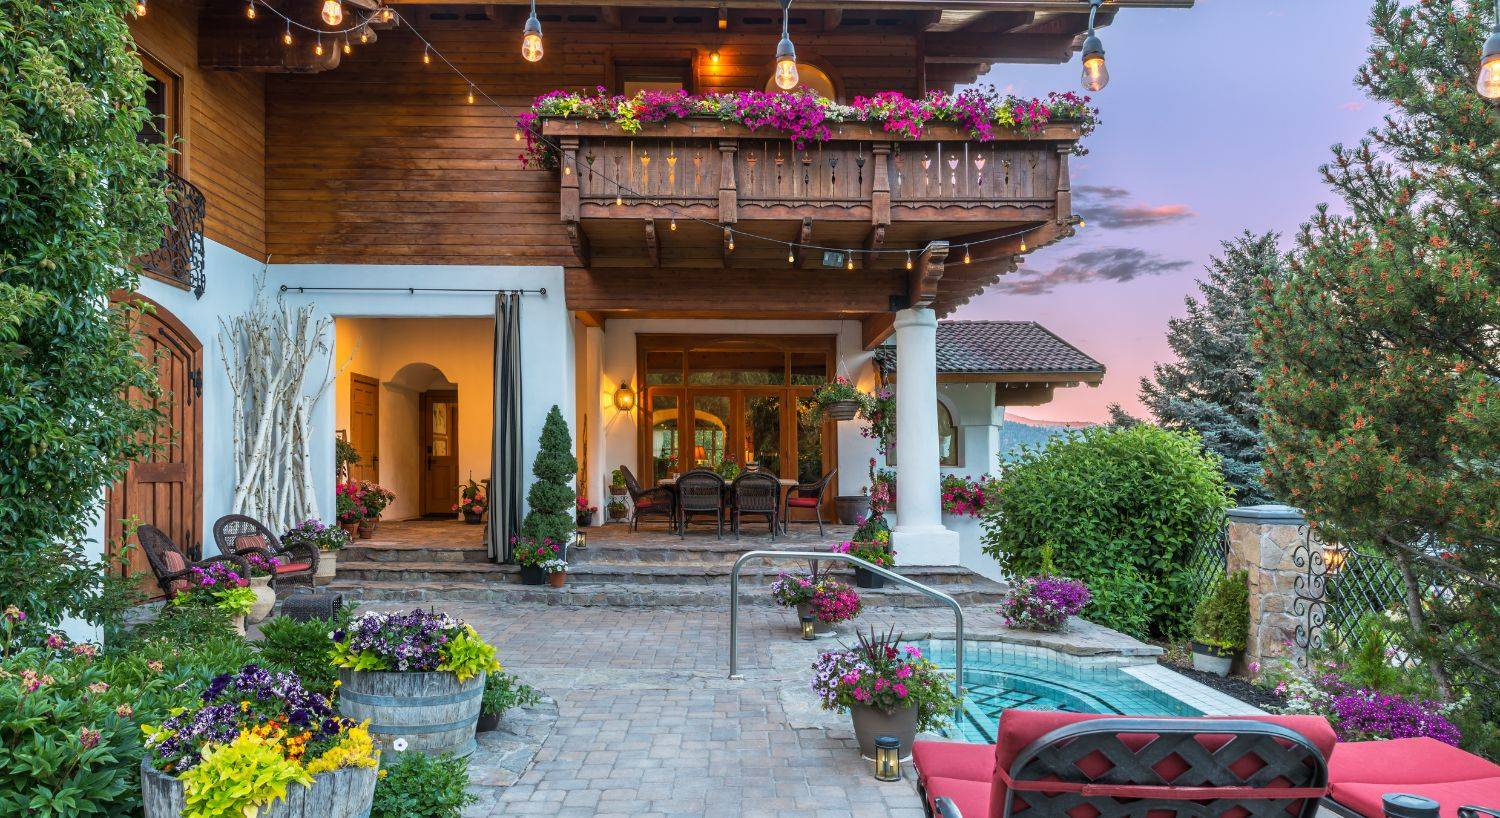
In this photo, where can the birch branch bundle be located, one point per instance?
(267, 354)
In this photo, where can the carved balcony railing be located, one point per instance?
(848, 191)
(179, 258)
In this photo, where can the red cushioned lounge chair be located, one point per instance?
(238, 534)
(1051, 765)
(1363, 772)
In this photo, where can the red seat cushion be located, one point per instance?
(953, 759)
(174, 562)
(645, 502)
(802, 502)
(292, 567)
(1365, 798)
(245, 541)
(1391, 763)
(971, 797)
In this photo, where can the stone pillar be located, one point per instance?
(1264, 541)
(919, 536)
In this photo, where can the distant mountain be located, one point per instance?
(1022, 431)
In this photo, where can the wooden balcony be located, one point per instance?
(862, 190)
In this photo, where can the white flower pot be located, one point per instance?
(1209, 659)
(328, 564)
(238, 623)
(265, 599)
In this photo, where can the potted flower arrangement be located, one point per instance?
(1221, 624)
(502, 691)
(258, 743)
(832, 602)
(326, 538)
(532, 554)
(375, 498)
(262, 569)
(556, 571)
(616, 510)
(585, 512)
(472, 502)
(220, 586)
(1044, 603)
(349, 507)
(794, 591)
(617, 483)
(880, 410)
(887, 687)
(872, 546)
(839, 399)
(419, 676)
(964, 497)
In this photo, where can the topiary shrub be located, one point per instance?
(551, 497)
(1119, 509)
(1222, 618)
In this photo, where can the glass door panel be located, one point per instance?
(712, 416)
(760, 431)
(810, 428)
(665, 406)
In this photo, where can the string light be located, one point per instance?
(471, 94)
(1488, 82)
(849, 261)
(729, 239)
(908, 259)
(786, 54)
(673, 225)
(1095, 74)
(318, 48)
(1023, 244)
(966, 254)
(286, 39)
(333, 12)
(250, 10)
(348, 49)
(619, 200)
(531, 37)
(140, 8)
(364, 36)
(426, 55)
(1081, 222)
(791, 257)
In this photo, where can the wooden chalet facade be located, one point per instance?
(369, 165)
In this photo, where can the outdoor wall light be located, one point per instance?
(1489, 62)
(531, 37)
(786, 54)
(333, 12)
(807, 629)
(887, 758)
(1095, 73)
(624, 398)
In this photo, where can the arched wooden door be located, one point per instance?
(166, 490)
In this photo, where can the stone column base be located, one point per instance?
(925, 545)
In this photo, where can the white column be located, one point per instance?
(919, 536)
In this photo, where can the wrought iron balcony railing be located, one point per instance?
(179, 258)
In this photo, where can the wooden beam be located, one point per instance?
(589, 318)
(653, 247)
(922, 286)
(580, 242)
(804, 237)
(876, 239)
(1030, 395)
(875, 329)
(773, 291)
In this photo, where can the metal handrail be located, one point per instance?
(815, 556)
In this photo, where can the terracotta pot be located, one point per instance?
(532, 575)
(365, 529)
(328, 564)
(853, 509)
(265, 599)
(841, 409)
(557, 578)
(352, 529)
(474, 519)
(870, 722)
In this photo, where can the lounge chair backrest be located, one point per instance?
(234, 532)
(700, 490)
(1052, 765)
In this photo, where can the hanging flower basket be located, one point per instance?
(842, 409)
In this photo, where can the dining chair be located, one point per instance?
(699, 492)
(658, 500)
(807, 495)
(755, 493)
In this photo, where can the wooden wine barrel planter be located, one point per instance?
(434, 711)
(345, 793)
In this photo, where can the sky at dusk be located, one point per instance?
(1215, 121)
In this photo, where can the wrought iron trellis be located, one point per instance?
(179, 258)
(1209, 559)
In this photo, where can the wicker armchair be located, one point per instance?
(700, 491)
(171, 566)
(238, 534)
(660, 501)
(808, 495)
(756, 493)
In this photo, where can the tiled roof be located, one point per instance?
(998, 347)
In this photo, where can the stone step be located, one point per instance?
(390, 552)
(416, 573)
(690, 551)
(623, 594)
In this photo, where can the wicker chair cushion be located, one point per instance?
(646, 502)
(802, 502)
(174, 562)
(244, 541)
(293, 567)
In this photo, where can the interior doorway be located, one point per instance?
(439, 419)
(364, 426)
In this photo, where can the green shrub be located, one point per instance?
(416, 785)
(1122, 510)
(551, 497)
(1223, 615)
(302, 648)
(502, 691)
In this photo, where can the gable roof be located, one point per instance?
(1001, 348)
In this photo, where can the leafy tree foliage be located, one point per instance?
(82, 198)
(1210, 388)
(1119, 509)
(551, 497)
(1382, 379)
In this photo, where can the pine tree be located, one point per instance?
(1382, 378)
(1210, 388)
(551, 497)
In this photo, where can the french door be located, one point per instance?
(774, 430)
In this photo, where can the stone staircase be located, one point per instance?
(618, 570)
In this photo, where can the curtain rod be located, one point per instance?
(415, 290)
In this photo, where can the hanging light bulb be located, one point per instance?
(286, 39)
(364, 35)
(908, 259)
(250, 10)
(531, 37)
(426, 55)
(791, 258)
(1081, 222)
(318, 47)
(729, 239)
(348, 49)
(619, 201)
(966, 254)
(786, 54)
(140, 8)
(1488, 83)
(849, 261)
(471, 95)
(1023, 244)
(673, 225)
(333, 12)
(1095, 73)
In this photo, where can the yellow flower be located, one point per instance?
(245, 706)
(338, 683)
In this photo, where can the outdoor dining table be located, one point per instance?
(786, 482)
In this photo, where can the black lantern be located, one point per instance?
(807, 629)
(887, 758)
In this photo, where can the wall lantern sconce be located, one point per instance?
(887, 758)
(624, 398)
